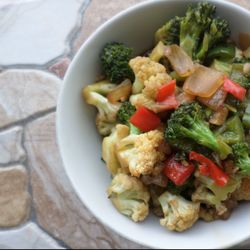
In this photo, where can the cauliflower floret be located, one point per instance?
(207, 192)
(153, 84)
(95, 95)
(243, 193)
(144, 68)
(179, 214)
(109, 147)
(141, 153)
(129, 196)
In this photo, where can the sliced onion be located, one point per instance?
(216, 101)
(219, 117)
(184, 97)
(121, 93)
(180, 60)
(204, 82)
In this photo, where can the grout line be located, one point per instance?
(29, 119)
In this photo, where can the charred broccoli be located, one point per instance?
(218, 31)
(241, 156)
(115, 58)
(188, 122)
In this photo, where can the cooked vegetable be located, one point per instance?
(130, 197)
(95, 95)
(158, 52)
(109, 147)
(211, 80)
(241, 155)
(178, 171)
(235, 89)
(169, 33)
(219, 117)
(207, 192)
(179, 214)
(196, 21)
(115, 58)
(243, 193)
(188, 122)
(165, 91)
(179, 60)
(224, 52)
(218, 31)
(220, 178)
(141, 153)
(121, 93)
(232, 131)
(145, 120)
(246, 117)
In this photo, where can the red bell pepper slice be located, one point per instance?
(204, 170)
(145, 120)
(234, 89)
(178, 172)
(165, 91)
(220, 178)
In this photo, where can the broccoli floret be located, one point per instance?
(115, 58)
(188, 122)
(169, 33)
(124, 114)
(218, 31)
(95, 95)
(179, 214)
(130, 197)
(198, 18)
(241, 155)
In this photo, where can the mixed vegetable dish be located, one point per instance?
(176, 122)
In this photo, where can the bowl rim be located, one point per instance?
(60, 109)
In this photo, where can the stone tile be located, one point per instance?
(28, 237)
(26, 92)
(57, 207)
(35, 32)
(244, 3)
(60, 67)
(10, 146)
(14, 198)
(97, 13)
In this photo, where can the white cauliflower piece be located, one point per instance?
(148, 74)
(129, 196)
(141, 153)
(179, 214)
(109, 147)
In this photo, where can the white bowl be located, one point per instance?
(80, 145)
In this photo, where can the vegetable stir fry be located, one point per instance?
(176, 122)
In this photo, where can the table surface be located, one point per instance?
(38, 207)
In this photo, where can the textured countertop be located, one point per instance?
(38, 207)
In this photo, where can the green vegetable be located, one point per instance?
(221, 66)
(232, 131)
(196, 21)
(241, 156)
(169, 33)
(246, 117)
(224, 52)
(218, 31)
(238, 76)
(187, 122)
(115, 58)
(124, 114)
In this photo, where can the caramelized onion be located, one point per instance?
(204, 82)
(180, 60)
(219, 117)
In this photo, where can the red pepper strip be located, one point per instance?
(170, 102)
(235, 89)
(165, 91)
(220, 178)
(204, 170)
(145, 119)
(177, 172)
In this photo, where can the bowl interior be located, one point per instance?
(80, 145)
